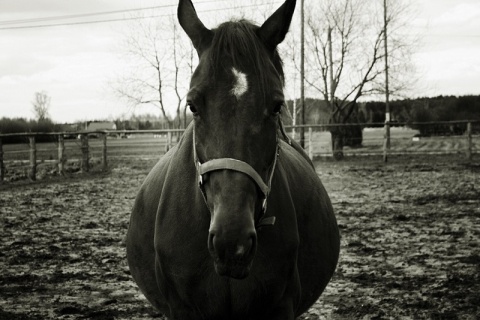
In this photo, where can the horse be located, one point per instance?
(233, 222)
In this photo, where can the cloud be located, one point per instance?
(441, 70)
(462, 19)
(56, 7)
(459, 14)
(23, 65)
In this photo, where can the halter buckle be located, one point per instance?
(266, 222)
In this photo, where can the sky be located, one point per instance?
(76, 64)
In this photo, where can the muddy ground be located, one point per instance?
(410, 242)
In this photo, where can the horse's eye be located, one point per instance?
(192, 108)
(278, 108)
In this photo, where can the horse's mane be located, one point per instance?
(238, 43)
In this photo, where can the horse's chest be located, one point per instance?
(205, 295)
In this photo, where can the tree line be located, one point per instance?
(22, 125)
(425, 109)
(46, 125)
(440, 108)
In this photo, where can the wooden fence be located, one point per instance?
(83, 136)
(170, 135)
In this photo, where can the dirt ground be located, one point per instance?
(410, 242)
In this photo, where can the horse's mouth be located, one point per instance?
(233, 269)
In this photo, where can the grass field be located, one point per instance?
(410, 246)
(401, 143)
(137, 145)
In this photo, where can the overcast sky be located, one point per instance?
(74, 64)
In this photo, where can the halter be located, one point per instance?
(238, 166)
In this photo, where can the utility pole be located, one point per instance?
(386, 146)
(302, 73)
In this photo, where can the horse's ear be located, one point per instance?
(273, 31)
(193, 27)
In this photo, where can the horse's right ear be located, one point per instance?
(193, 27)
(273, 31)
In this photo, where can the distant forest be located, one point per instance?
(441, 108)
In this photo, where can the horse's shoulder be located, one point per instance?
(174, 172)
(304, 184)
(285, 140)
(293, 157)
(174, 157)
(156, 176)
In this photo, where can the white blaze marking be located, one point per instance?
(241, 84)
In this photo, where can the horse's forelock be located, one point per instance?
(236, 43)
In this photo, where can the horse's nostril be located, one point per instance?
(216, 245)
(211, 246)
(253, 243)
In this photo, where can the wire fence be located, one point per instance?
(415, 138)
(62, 153)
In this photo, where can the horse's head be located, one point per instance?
(236, 94)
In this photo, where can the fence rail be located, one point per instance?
(458, 137)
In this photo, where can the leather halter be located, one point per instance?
(238, 166)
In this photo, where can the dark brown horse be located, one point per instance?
(233, 222)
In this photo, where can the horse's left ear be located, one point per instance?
(273, 31)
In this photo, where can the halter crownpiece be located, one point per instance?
(239, 166)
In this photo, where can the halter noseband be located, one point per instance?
(239, 166)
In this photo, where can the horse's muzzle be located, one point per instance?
(233, 257)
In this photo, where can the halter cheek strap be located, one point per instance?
(239, 166)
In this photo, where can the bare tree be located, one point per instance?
(162, 65)
(41, 104)
(148, 76)
(345, 56)
(145, 81)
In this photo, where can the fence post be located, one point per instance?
(169, 141)
(469, 141)
(2, 166)
(84, 146)
(32, 174)
(104, 152)
(61, 155)
(310, 143)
